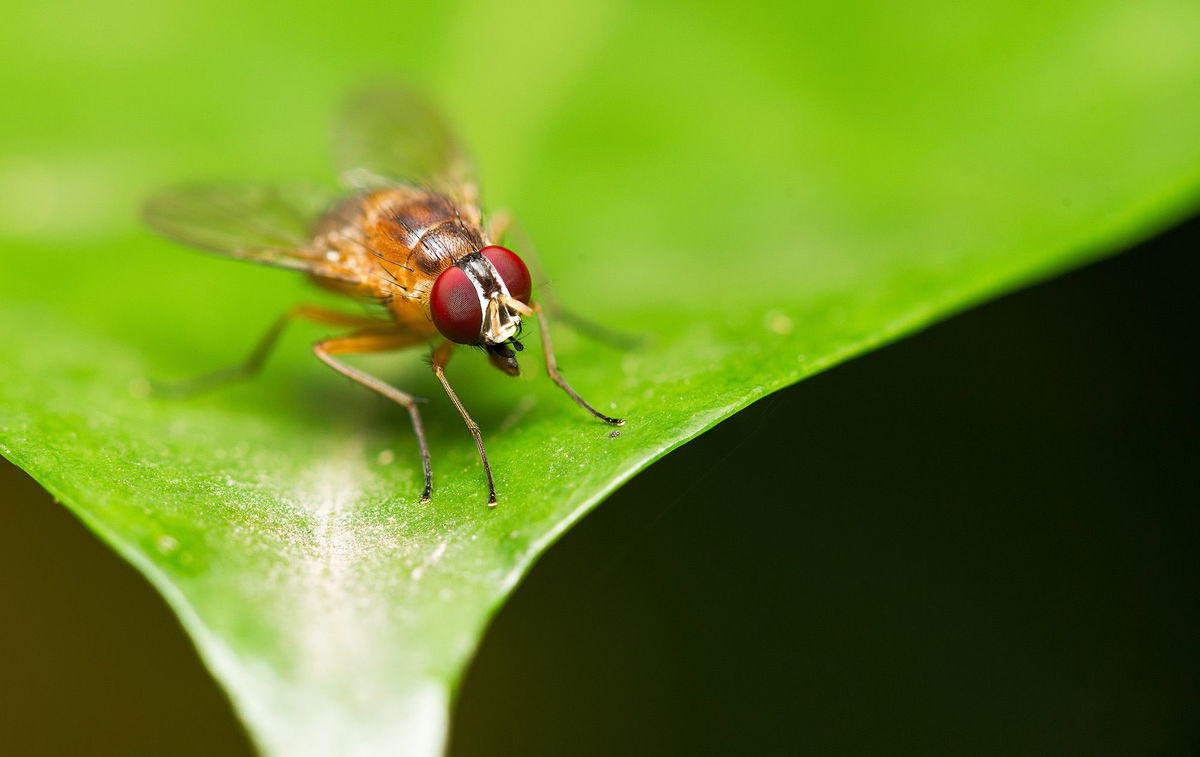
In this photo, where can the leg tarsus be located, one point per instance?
(552, 369)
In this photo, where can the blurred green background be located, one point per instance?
(977, 541)
(980, 540)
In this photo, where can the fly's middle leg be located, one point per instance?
(379, 340)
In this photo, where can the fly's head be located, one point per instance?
(480, 301)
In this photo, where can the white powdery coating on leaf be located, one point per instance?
(347, 687)
(336, 618)
(303, 721)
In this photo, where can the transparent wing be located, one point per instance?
(272, 225)
(389, 133)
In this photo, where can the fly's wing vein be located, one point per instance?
(389, 133)
(266, 224)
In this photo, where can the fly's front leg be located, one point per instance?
(258, 356)
(441, 356)
(379, 340)
(552, 369)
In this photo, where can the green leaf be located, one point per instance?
(765, 193)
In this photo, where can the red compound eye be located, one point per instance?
(454, 304)
(512, 269)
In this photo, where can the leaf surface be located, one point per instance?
(763, 196)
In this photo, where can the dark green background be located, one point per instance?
(981, 540)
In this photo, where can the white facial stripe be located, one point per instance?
(482, 299)
(499, 323)
(469, 270)
(495, 275)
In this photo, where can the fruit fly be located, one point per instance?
(407, 233)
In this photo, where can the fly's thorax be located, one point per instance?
(439, 247)
(425, 224)
(398, 240)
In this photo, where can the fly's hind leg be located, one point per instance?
(379, 340)
(500, 225)
(258, 356)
